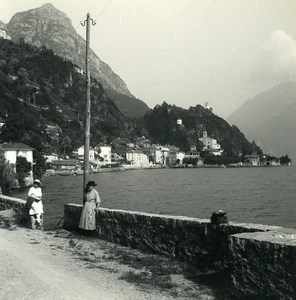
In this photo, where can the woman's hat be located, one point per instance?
(91, 183)
(38, 182)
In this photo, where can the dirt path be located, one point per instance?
(34, 268)
(63, 265)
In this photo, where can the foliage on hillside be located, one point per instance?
(42, 100)
(129, 106)
(161, 123)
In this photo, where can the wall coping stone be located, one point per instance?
(183, 218)
(18, 200)
(270, 236)
(259, 227)
(250, 226)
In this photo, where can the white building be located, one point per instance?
(137, 158)
(179, 122)
(12, 151)
(207, 106)
(2, 122)
(176, 156)
(51, 157)
(211, 144)
(4, 35)
(80, 152)
(104, 152)
(154, 154)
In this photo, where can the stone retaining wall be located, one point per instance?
(18, 205)
(263, 264)
(10, 202)
(259, 259)
(248, 252)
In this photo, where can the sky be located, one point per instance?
(188, 52)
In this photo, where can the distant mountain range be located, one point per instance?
(49, 27)
(269, 119)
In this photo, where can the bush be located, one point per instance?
(7, 175)
(23, 168)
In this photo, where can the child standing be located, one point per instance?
(35, 205)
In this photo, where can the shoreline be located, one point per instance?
(133, 168)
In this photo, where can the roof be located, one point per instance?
(82, 147)
(15, 146)
(252, 156)
(134, 151)
(65, 162)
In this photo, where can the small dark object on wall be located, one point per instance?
(219, 217)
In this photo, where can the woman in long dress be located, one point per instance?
(91, 204)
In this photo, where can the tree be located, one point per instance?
(23, 168)
(284, 160)
(39, 167)
(66, 145)
(7, 175)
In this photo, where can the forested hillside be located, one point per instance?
(42, 101)
(161, 124)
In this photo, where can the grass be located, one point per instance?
(147, 271)
(148, 278)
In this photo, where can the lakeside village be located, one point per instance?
(139, 155)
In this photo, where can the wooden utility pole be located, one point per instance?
(87, 104)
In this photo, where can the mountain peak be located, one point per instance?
(47, 26)
(48, 5)
(50, 8)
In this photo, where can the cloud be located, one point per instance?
(282, 49)
(278, 59)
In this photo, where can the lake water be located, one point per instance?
(264, 195)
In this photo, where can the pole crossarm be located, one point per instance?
(93, 22)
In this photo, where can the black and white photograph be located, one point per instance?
(147, 149)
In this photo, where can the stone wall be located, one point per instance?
(237, 249)
(19, 207)
(10, 202)
(263, 264)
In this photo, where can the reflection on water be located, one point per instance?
(253, 195)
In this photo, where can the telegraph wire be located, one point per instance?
(91, 7)
(95, 2)
(103, 9)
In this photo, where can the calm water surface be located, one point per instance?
(252, 195)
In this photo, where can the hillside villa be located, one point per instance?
(4, 35)
(11, 151)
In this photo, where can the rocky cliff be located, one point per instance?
(49, 27)
(3, 25)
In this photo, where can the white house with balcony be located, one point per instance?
(137, 158)
(104, 153)
(80, 152)
(11, 151)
